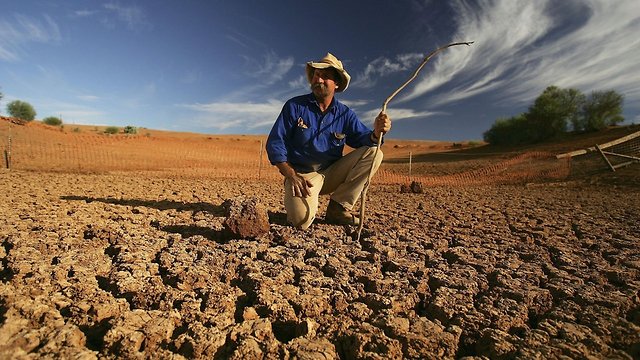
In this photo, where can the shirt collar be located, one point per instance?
(332, 106)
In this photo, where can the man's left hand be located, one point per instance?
(382, 125)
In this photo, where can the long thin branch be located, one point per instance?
(384, 110)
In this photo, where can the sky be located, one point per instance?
(228, 66)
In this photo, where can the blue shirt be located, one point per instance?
(310, 140)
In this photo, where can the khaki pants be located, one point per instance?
(344, 180)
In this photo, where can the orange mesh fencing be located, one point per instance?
(37, 147)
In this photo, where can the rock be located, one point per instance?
(415, 188)
(246, 218)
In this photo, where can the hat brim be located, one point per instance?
(344, 76)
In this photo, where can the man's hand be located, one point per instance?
(381, 125)
(299, 185)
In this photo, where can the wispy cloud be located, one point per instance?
(233, 112)
(245, 115)
(133, 16)
(383, 66)
(19, 31)
(300, 83)
(270, 68)
(397, 114)
(84, 13)
(70, 113)
(521, 47)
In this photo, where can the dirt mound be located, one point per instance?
(131, 266)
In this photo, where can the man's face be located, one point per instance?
(323, 83)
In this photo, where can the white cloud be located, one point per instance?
(355, 103)
(224, 115)
(21, 30)
(301, 83)
(270, 68)
(84, 13)
(521, 47)
(397, 114)
(383, 66)
(133, 16)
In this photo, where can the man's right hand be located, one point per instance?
(299, 185)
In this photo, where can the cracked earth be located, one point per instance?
(134, 266)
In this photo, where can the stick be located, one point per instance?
(384, 110)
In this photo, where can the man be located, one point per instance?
(307, 141)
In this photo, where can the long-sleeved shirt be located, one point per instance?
(311, 141)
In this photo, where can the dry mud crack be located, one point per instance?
(130, 266)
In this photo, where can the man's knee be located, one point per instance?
(300, 220)
(369, 154)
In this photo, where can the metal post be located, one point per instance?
(410, 158)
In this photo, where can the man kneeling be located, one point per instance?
(307, 141)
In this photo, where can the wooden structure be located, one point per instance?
(616, 154)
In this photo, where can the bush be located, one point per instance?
(52, 120)
(130, 130)
(21, 110)
(112, 130)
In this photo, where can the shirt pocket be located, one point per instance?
(302, 137)
(338, 139)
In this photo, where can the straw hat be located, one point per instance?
(326, 62)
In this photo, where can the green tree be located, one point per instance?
(553, 110)
(602, 109)
(21, 110)
(52, 120)
(512, 131)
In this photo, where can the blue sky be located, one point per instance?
(226, 67)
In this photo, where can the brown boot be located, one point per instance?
(336, 214)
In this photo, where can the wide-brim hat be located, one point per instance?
(326, 62)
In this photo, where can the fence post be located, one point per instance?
(7, 151)
(410, 156)
(260, 163)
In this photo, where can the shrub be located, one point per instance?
(112, 130)
(52, 120)
(21, 110)
(130, 130)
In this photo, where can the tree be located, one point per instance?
(21, 110)
(602, 109)
(552, 111)
(512, 131)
